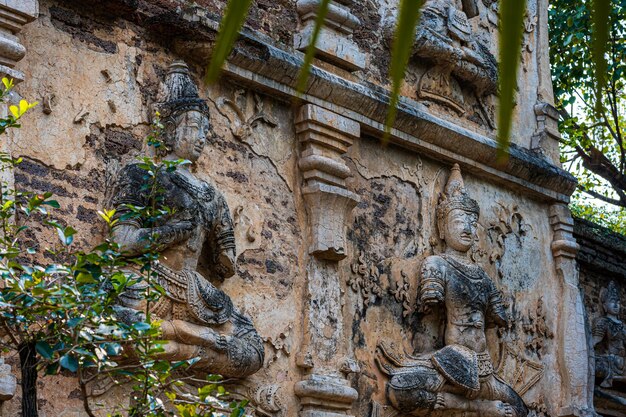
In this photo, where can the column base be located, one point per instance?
(325, 396)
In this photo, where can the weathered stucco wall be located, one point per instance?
(602, 275)
(96, 68)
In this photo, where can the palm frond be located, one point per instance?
(511, 35)
(404, 37)
(234, 18)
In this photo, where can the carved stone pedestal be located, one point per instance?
(333, 44)
(325, 396)
(324, 136)
(547, 136)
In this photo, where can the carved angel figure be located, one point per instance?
(609, 335)
(460, 376)
(445, 38)
(199, 319)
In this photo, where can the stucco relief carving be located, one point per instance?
(281, 344)
(609, 335)
(365, 280)
(459, 377)
(446, 37)
(609, 341)
(522, 373)
(400, 289)
(537, 330)
(197, 242)
(505, 246)
(267, 400)
(245, 111)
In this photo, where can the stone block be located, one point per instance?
(333, 44)
(332, 47)
(28, 8)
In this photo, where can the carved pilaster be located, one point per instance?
(334, 43)
(324, 137)
(577, 396)
(14, 14)
(547, 136)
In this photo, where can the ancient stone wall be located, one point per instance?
(601, 264)
(332, 226)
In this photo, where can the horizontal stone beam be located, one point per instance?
(262, 64)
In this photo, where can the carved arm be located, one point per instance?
(599, 331)
(136, 240)
(431, 291)
(497, 312)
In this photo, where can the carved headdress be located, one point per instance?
(179, 94)
(610, 293)
(455, 196)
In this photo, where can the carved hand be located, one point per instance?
(173, 232)
(472, 57)
(430, 299)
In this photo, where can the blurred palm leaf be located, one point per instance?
(511, 35)
(235, 16)
(404, 37)
(600, 21)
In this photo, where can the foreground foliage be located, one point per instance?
(62, 315)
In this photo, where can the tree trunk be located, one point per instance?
(28, 366)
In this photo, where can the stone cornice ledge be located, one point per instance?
(258, 62)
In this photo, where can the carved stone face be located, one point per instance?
(460, 229)
(612, 306)
(191, 135)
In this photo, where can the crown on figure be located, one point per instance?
(610, 293)
(455, 196)
(179, 94)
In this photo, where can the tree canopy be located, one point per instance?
(593, 128)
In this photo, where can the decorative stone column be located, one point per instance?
(574, 360)
(324, 136)
(334, 43)
(14, 14)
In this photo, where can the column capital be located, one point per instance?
(324, 137)
(334, 43)
(14, 15)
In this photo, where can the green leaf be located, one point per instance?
(8, 84)
(69, 362)
(142, 326)
(511, 35)
(52, 203)
(403, 40)
(235, 16)
(15, 111)
(74, 321)
(85, 278)
(44, 350)
(303, 76)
